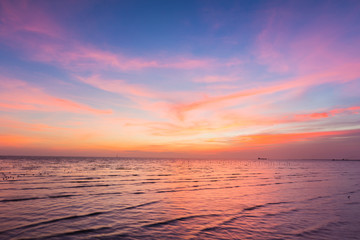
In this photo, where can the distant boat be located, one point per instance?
(261, 158)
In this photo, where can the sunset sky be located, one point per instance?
(234, 79)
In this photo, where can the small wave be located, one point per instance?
(77, 232)
(317, 180)
(26, 188)
(354, 191)
(261, 184)
(87, 178)
(254, 207)
(35, 198)
(62, 196)
(83, 181)
(138, 192)
(74, 217)
(110, 193)
(241, 214)
(147, 183)
(88, 186)
(263, 205)
(141, 205)
(53, 221)
(282, 212)
(318, 197)
(21, 199)
(34, 188)
(305, 233)
(275, 203)
(166, 191)
(208, 229)
(157, 224)
(195, 189)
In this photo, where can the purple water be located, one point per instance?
(114, 198)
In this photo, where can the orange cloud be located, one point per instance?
(16, 141)
(234, 120)
(283, 138)
(344, 73)
(333, 112)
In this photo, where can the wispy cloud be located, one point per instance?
(28, 26)
(277, 79)
(273, 139)
(215, 79)
(349, 72)
(19, 95)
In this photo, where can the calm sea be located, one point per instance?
(117, 198)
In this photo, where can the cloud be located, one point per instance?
(19, 95)
(289, 43)
(215, 79)
(9, 123)
(75, 56)
(17, 140)
(18, 17)
(331, 113)
(244, 120)
(285, 138)
(118, 86)
(28, 27)
(341, 74)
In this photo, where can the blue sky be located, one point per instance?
(180, 78)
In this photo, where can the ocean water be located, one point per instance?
(118, 198)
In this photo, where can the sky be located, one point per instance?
(228, 79)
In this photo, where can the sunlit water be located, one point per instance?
(108, 198)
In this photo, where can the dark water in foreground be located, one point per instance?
(104, 198)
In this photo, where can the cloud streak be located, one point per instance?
(270, 77)
(19, 95)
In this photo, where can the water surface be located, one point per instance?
(117, 198)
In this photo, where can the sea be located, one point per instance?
(146, 198)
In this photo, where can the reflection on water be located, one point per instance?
(108, 198)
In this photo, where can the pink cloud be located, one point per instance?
(228, 121)
(121, 87)
(215, 79)
(343, 73)
(28, 27)
(331, 113)
(78, 57)
(143, 97)
(10, 123)
(24, 16)
(284, 47)
(18, 95)
(21, 17)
